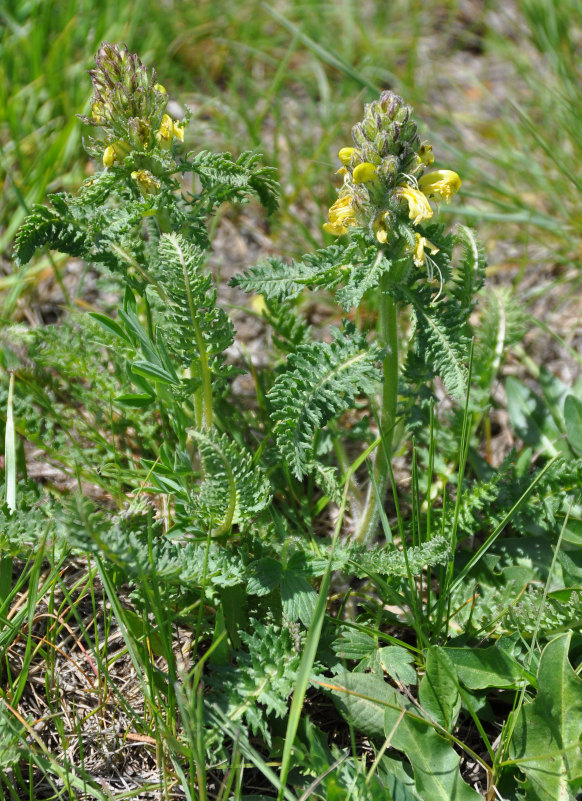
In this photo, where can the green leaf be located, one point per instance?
(530, 418)
(265, 575)
(479, 668)
(438, 692)
(134, 400)
(234, 490)
(397, 662)
(154, 371)
(555, 393)
(298, 597)
(110, 325)
(321, 383)
(573, 419)
(434, 762)
(546, 736)
(362, 699)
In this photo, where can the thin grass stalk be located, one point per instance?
(10, 449)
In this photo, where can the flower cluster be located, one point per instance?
(385, 184)
(128, 105)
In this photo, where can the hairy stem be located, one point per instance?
(388, 336)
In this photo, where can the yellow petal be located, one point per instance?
(165, 133)
(336, 230)
(425, 153)
(418, 206)
(364, 173)
(441, 184)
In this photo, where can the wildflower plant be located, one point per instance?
(392, 244)
(220, 537)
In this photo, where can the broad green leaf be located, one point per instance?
(555, 393)
(397, 778)
(479, 668)
(573, 531)
(530, 418)
(546, 736)
(362, 699)
(434, 762)
(354, 644)
(573, 418)
(265, 575)
(298, 597)
(438, 692)
(397, 662)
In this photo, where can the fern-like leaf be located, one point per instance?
(441, 342)
(234, 490)
(470, 274)
(54, 228)
(321, 383)
(192, 312)
(324, 269)
(228, 180)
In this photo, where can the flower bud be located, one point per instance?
(345, 154)
(109, 156)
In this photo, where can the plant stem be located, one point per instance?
(388, 336)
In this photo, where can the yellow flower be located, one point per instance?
(418, 205)
(364, 173)
(441, 184)
(109, 156)
(422, 242)
(148, 185)
(380, 228)
(345, 154)
(97, 112)
(168, 130)
(425, 153)
(159, 88)
(340, 216)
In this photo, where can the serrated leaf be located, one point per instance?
(265, 575)
(397, 662)
(354, 644)
(298, 597)
(479, 668)
(234, 490)
(546, 736)
(321, 383)
(438, 692)
(573, 420)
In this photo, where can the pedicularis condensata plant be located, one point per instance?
(137, 220)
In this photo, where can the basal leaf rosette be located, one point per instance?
(386, 189)
(129, 107)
